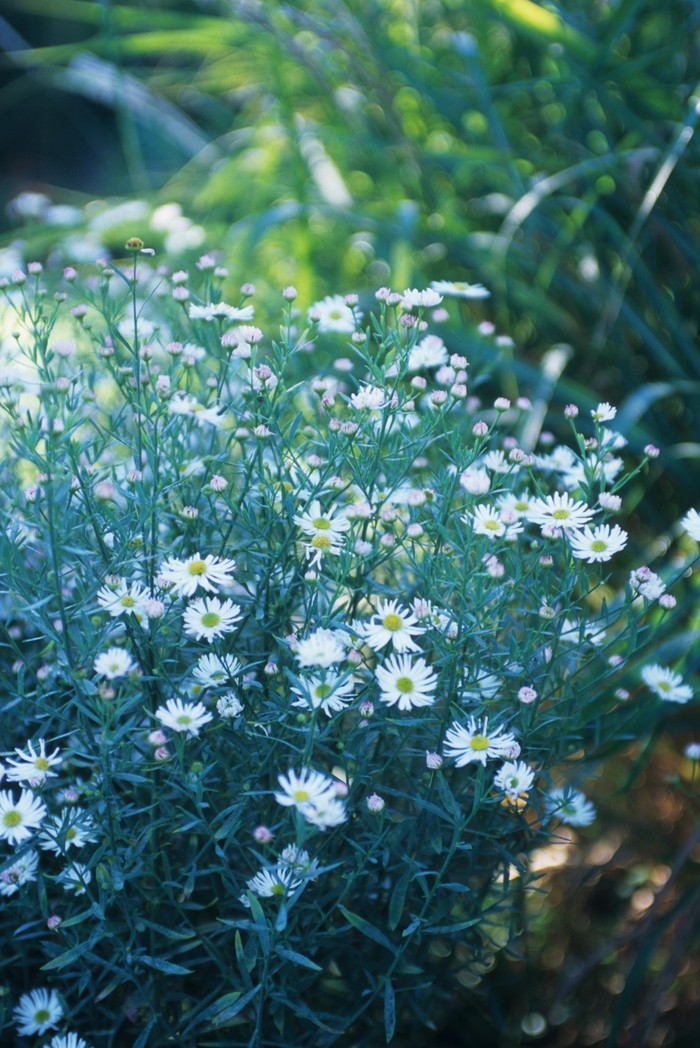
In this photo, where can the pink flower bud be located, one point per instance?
(667, 601)
(289, 293)
(157, 738)
(433, 760)
(262, 834)
(54, 922)
(162, 754)
(375, 803)
(570, 411)
(248, 290)
(651, 451)
(351, 300)
(367, 709)
(527, 695)
(501, 403)
(480, 429)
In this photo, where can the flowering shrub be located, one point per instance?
(297, 668)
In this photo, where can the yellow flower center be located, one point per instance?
(521, 506)
(197, 567)
(480, 742)
(71, 833)
(42, 1016)
(561, 514)
(184, 718)
(321, 542)
(322, 691)
(218, 675)
(392, 622)
(210, 619)
(278, 889)
(335, 315)
(41, 764)
(492, 525)
(127, 601)
(599, 546)
(663, 685)
(405, 685)
(321, 523)
(12, 818)
(300, 796)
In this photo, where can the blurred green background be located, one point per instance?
(544, 150)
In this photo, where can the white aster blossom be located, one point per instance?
(325, 813)
(212, 311)
(208, 617)
(188, 717)
(475, 481)
(599, 544)
(331, 693)
(75, 878)
(335, 315)
(278, 882)
(68, 1040)
(666, 684)
(229, 706)
(519, 504)
(114, 663)
(571, 633)
(430, 352)
(124, 600)
(458, 289)
(22, 871)
(213, 670)
(37, 1012)
(314, 795)
(210, 573)
(570, 806)
(603, 413)
(412, 298)
(647, 583)
(369, 398)
(691, 523)
(19, 818)
(321, 648)
(181, 404)
(484, 686)
(474, 742)
(392, 624)
(559, 511)
(408, 682)
(514, 778)
(32, 767)
(486, 520)
(73, 828)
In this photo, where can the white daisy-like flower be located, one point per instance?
(475, 481)
(520, 504)
(392, 623)
(326, 812)
(73, 828)
(607, 470)
(68, 1040)
(497, 462)
(313, 521)
(124, 600)
(299, 860)
(666, 684)
(484, 686)
(599, 544)
(561, 459)
(37, 1012)
(412, 298)
(229, 706)
(32, 767)
(246, 334)
(571, 633)
(369, 398)
(514, 778)
(113, 663)
(430, 352)
(307, 788)
(458, 289)
(486, 520)
(210, 573)
(691, 523)
(647, 583)
(22, 871)
(406, 682)
(476, 743)
(278, 882)
(213, 670)
(181, 404)
(75, 878)
(603, 413)
(560, 511)
(220, 309)
(331, 693)
(208, 617)
(570, 806)
(321, 648)
(187, 717)
(19, 818)
(334, 314)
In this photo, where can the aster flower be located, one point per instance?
(514, 778)
(599, 544)
(406, 682)
(68, 1040)
(181, 404)
(330, 692)
(691, 523)
(307, 788)
(571, 633)
(73, 828)
(666, 684)
(298, 860)
(18, 819)
(486, 520)
(220, 309)
(560, 511)
(314, 522)
(570, 806)
(207, 617)
(325, 812)
(124, 600)
(210, 573)
(520, 504)
(181, 716)
(22, 871)
(476, 743)
(113, 663)
(369, 398)
(430, 352)
(603, 413)
(392, 623)
(646, 583)
(75, 878)
(32, 767)
(412, 298)
(458, 289)
(484, 686)
(213, 670)
(278, 882)
(37, 1012)
(229, 706)
(321, 648)
(333, 314)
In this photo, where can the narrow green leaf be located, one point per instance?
(389, 1010)
(298, 958)
(366, 928)
(164, 966)
(398, 900)
(66, 958)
